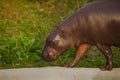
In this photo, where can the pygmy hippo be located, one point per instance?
(96, 24)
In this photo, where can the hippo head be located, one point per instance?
(57, 42)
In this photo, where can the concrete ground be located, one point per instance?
(59, 73)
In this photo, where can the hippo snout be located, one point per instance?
(49, 55)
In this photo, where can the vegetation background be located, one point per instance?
(25, 25)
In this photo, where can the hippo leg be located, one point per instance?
(79, 54)
(107, 52)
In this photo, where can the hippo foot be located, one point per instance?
(70, 65)
(106, 68)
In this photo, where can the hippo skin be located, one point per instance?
(96, 24)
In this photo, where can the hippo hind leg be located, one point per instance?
(107, 52)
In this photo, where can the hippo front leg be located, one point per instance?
(79, 54)
(107, 52)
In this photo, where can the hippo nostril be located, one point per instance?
(51, 54)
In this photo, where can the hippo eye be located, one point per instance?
(53, 43)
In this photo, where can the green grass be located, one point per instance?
(24, 27)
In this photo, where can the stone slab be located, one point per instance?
(59, 73)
